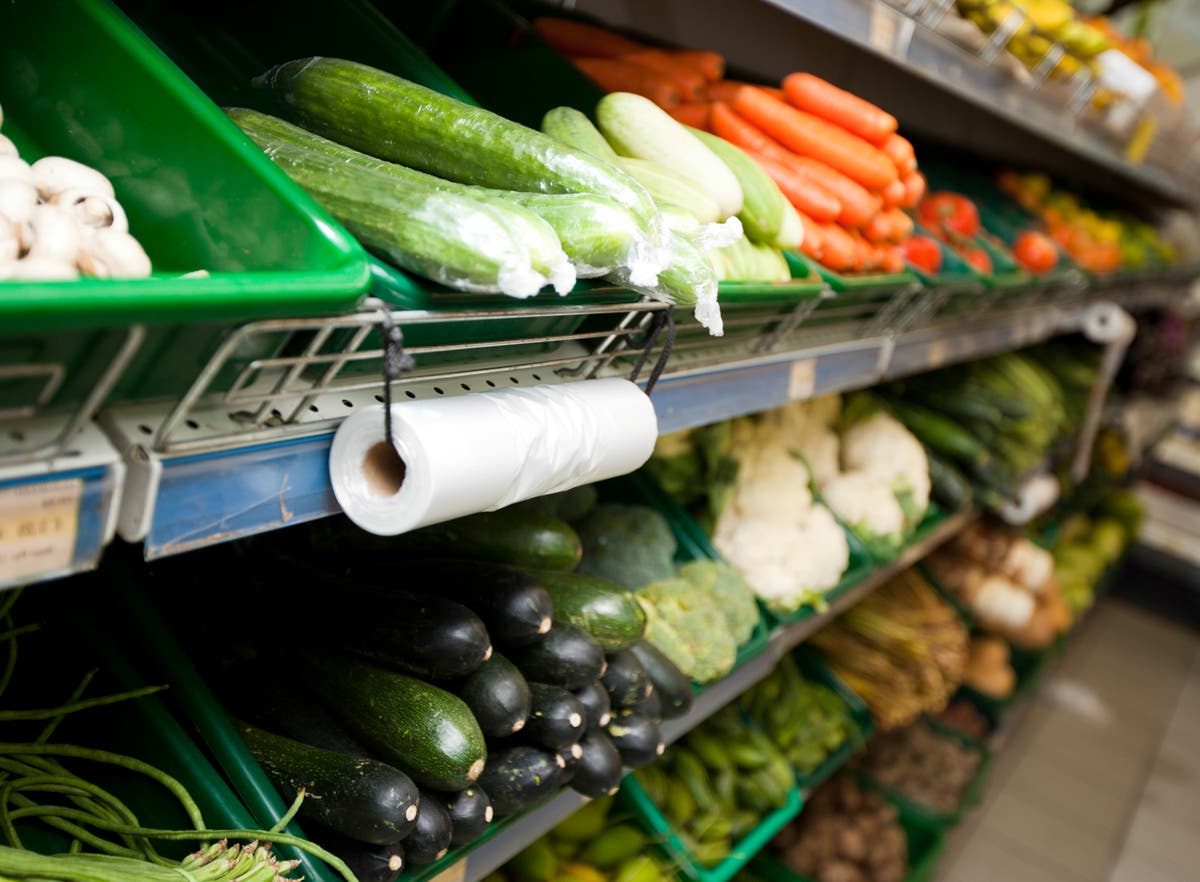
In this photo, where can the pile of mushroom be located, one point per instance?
(60, 219)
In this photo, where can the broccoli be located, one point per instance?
(729, 592)
(631, 545)
(661, 634)
(689, 628)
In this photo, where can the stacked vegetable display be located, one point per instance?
(1089, 544)
(923, 766)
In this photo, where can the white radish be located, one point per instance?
(14, 168)
(43, 269)
(54, 174)
(57, 235)
(94, 210)
(7, 147)
(17, 200)
(112, 254)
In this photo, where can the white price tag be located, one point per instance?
(456, 872)
(937, 353)
(38, 525)
(802, 380)
(882, 32)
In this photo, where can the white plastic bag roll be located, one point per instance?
(483, 451)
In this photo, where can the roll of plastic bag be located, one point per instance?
(456, 456)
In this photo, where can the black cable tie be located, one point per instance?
(396, 363)
(663, 319)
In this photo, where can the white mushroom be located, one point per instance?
(111, 254)
(42, 269)
(15, 168)
(17, 200)
(7, 147)
(94, 210)
(54, 174)
(57, 235)
(10, 241)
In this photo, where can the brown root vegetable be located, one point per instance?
(840, 871)
(851, 844)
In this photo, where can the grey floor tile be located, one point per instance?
(1075, 795)
(1141, 868)
(988, 859)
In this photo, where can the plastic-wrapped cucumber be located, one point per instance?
(688, 279)
(670, 187)
(464, 239)
(704, 236)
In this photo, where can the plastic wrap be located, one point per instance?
(688, 279)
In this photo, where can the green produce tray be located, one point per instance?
(77, 79)
(954, 275)
(861, 565)
(934, 516)
(654, 822)
(814, 669)
(925, 843)
(971, 794)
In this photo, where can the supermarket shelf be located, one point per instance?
(57, 514)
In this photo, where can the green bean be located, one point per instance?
(77, 694)
(49, 713)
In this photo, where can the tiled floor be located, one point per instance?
(1099, 778)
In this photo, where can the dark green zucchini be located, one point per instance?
(599, 770)
(419, 728)
(519, 777)
(558, 718)
(672, 685)
(596, 704)
(370, 863)
(602, 608)
(498, 696)
(470, 813)
(361, 798)
(649, 707)
(431, 835)
(637, 739)
(571, 756)
(566, 656)
(625, 679)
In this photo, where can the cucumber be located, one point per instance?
(452, 239)
(566, 656)
(418, 728)
(596, 704)
(604, 609)
(470, 813)
(395, 119)
(763, 203)
(520, 538)
(637, 739)
(356, 797)
(671, 685)
(596, 233)
(558, 719)
(671, 188)
(599, 770)
(635, 126)
(625, 679)
(519, 777)
(431, 835)
(369, 863)
(573, 128)
(498, 697)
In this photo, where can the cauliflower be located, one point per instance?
(772, 482)
(867, 503)
(689, 628)
(826, 410)
(810, 437)
(881, 445)
(627, 544)
(729, 593)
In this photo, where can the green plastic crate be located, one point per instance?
(634, 797)
(925, 845)
(814, 669)
(77, 79)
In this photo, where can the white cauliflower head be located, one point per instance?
(881, 445)
(867, 502)
(772, 483)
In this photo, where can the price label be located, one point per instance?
(937, 353)
(456, 872)
(802, 380)
(882, 33)
(38, 526)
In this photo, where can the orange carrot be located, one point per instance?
(858, 205)
(900, 151)
(573, 37)
(865, 255)
(893, 260)
(693, 113)
(742, 134)
(914, 189)
(878, 229)
(726, 90)
(838, 106)
(809, 135)
(893, 194)
(807, 198)
(813, 244)
(839, 251)
(710, 65)
(691, 84)
(902, 225)
(613, 75)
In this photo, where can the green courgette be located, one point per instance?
(602, 608)
(498, 696)
(519, 777)
(599, 770)
(672, 685)
(433, 832)
(470, 813)
(421, 729)
(565, 656)
(625, 679)
(558, 718)
(596, 704)
(638, 739)
(517, 537)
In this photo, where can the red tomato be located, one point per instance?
(952, 212)
(924, 253)
(1035, 252)
(976, 258)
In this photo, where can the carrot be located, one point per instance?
(573, 37)
(691, 84)
(914, 189)
(613, 75)
(812, 136)
(813, 244)
(893, 260)
(865, 257)
(807, 198)
(878, 229)
(839, 251)
(858, 205)
(710, 65)
(900, 151)
(902, 225)
(893, 194)
(740, 133)
(838, 106)
(726, 90)
(693, 113)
